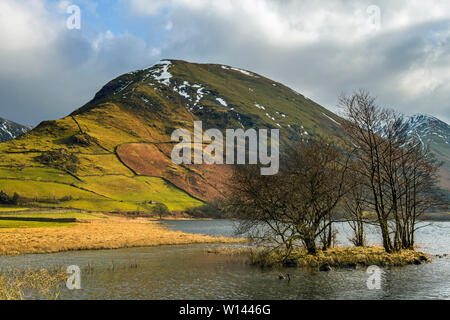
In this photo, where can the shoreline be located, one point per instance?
(110, 233)
(11, 209)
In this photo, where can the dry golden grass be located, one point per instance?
(109, 233)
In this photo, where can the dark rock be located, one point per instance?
(290, 263)
(284, 277)
(325, 268)
(361, 264)
(417, 261)
(351, 265)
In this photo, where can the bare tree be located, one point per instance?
(260, 204)
(399, 172)
(296, 205)
(417, 180)
(364, 120)
(355, 204)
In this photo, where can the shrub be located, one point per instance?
(82, 139)
(208, 210)
(160, 209)
(66, 198)
(60, 159)
(4, 198)
(15, 198)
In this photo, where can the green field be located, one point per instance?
(32, 224)
(47, 215)
(37, 174)
(12, 209)
(58, 215)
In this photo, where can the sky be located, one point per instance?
(398, 50)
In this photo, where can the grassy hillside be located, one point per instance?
(113, 154)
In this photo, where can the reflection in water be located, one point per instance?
(186, 272)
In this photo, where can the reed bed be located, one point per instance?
(31, 284)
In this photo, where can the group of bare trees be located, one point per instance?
(397, 174)
(375, 169)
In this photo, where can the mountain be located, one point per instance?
(10, 130)
(114, 152)
(434, 133)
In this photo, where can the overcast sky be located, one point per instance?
(399, 50)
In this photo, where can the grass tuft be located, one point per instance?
(22, 285)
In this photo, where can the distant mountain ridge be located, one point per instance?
(434, 133)
(10, 130)
(429, 129)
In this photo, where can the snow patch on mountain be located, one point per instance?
(331, 118)
(428, 129)
(160, 72)
(222, 102)
(200, 94)
(182, 90)
(247, 73)
(280, 114)
(11, 130)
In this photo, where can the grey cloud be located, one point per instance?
(323, 69)
(70, 72)
(50, 82)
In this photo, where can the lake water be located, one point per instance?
(187, 272)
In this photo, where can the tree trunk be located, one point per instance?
(310, 245)
(359, 234)
(387, 244)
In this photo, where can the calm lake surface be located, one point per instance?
(187, 272)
